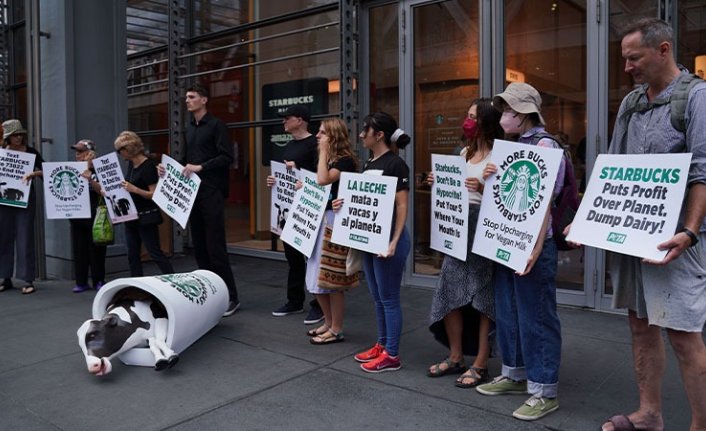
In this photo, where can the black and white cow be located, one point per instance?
(137, 321)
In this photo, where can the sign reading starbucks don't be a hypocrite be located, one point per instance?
(515, 201)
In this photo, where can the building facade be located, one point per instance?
(105, 66)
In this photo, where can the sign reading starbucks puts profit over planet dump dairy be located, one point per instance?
(282, 195)
(515, 201)
(449, 206)
(308, 208)
(632, 203)
(176, 193)
(365, 219)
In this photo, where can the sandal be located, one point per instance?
(451, 368)
(479, 376)
(317, 331)
(328, 337)
(28, 290)
(6, 285)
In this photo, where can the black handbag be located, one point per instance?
(150, 217)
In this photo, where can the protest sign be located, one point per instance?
(515, 201)
(282, 195)
(65, 190)
(307, 212)
(632, 203)
(175, 193)
(120, 206)
(365, 219)
(14, 165)
(449, 206)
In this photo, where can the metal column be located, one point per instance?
(176, 144)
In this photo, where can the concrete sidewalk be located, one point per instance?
(259, 372)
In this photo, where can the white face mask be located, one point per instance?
(511, 122)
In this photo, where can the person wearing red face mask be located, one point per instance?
(463, 305)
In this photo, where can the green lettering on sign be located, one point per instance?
(358, 238)
(617, 238)
(503, 255)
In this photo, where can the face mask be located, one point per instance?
(511, 122)
(470, 128)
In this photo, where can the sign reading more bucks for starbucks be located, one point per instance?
(65, 190)
(515, 201)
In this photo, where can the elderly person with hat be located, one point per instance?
(87, 255)
(527, 323)
(17, 233)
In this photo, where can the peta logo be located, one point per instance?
(448, 244)
(617, 238)
(503, 255)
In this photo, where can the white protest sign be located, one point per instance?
(282, 195)
(175, 194)
(65, 190)
(13, 166)
(307, 212)
(449, 206)
(515, 201)
(365, 219)
(120, 206)
(632, 203)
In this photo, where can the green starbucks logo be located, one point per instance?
(520, 186)
(66, 184)
(190, 286)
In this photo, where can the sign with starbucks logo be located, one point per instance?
(65, 190)
(515, 201)
(192, 287)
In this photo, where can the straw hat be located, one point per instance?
(12, 127)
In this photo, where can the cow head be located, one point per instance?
(118, 331)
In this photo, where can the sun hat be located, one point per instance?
(522, 98)
(12, 127)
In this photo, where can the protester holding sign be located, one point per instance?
(384, 272)
(18, 223)
(463, 305)
(528, 328)
(87, 255)
(300, 153)
(326, 268)
(664, 115)
(141, 182)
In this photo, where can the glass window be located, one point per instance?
(446, 72)
(546, 48)
(691, 36)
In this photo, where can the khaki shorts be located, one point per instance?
(670, 296)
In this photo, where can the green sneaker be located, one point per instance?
(503, 386)
(536, 407)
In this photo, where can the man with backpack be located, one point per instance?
(666, 114)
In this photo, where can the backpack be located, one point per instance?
(677, 101)
(566, 203)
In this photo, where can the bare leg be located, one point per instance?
(691, 353)
(324, 301)
(453, 324)
(648, 360)
(481, 360)
(337, 308)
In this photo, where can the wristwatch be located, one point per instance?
(692, 236)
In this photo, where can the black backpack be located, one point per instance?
(566, 203)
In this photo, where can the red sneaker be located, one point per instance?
(369, 354)
(384, 362)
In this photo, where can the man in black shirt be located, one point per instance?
(301, 152)
(209, 154)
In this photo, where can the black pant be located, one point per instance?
(135, 236)
(296, 279)
(208, 235)
(87, 255)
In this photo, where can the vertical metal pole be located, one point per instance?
(349, 65)
(34, 133)
(5, 106)
(176, 126)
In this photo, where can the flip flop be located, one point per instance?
(451, 368)
(479, 376)
(621, 423)
(27, 290)
(328, 337)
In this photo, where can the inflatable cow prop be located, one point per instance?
(149, 321)
(135, 320)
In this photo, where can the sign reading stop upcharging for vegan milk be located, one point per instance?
(449, 206)
(65, 190)
(365, 219)
(515, 201)
(307, 212)
(14, 165)
(632, 203)
(283, 192)
(120, 206)
(176, 193)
